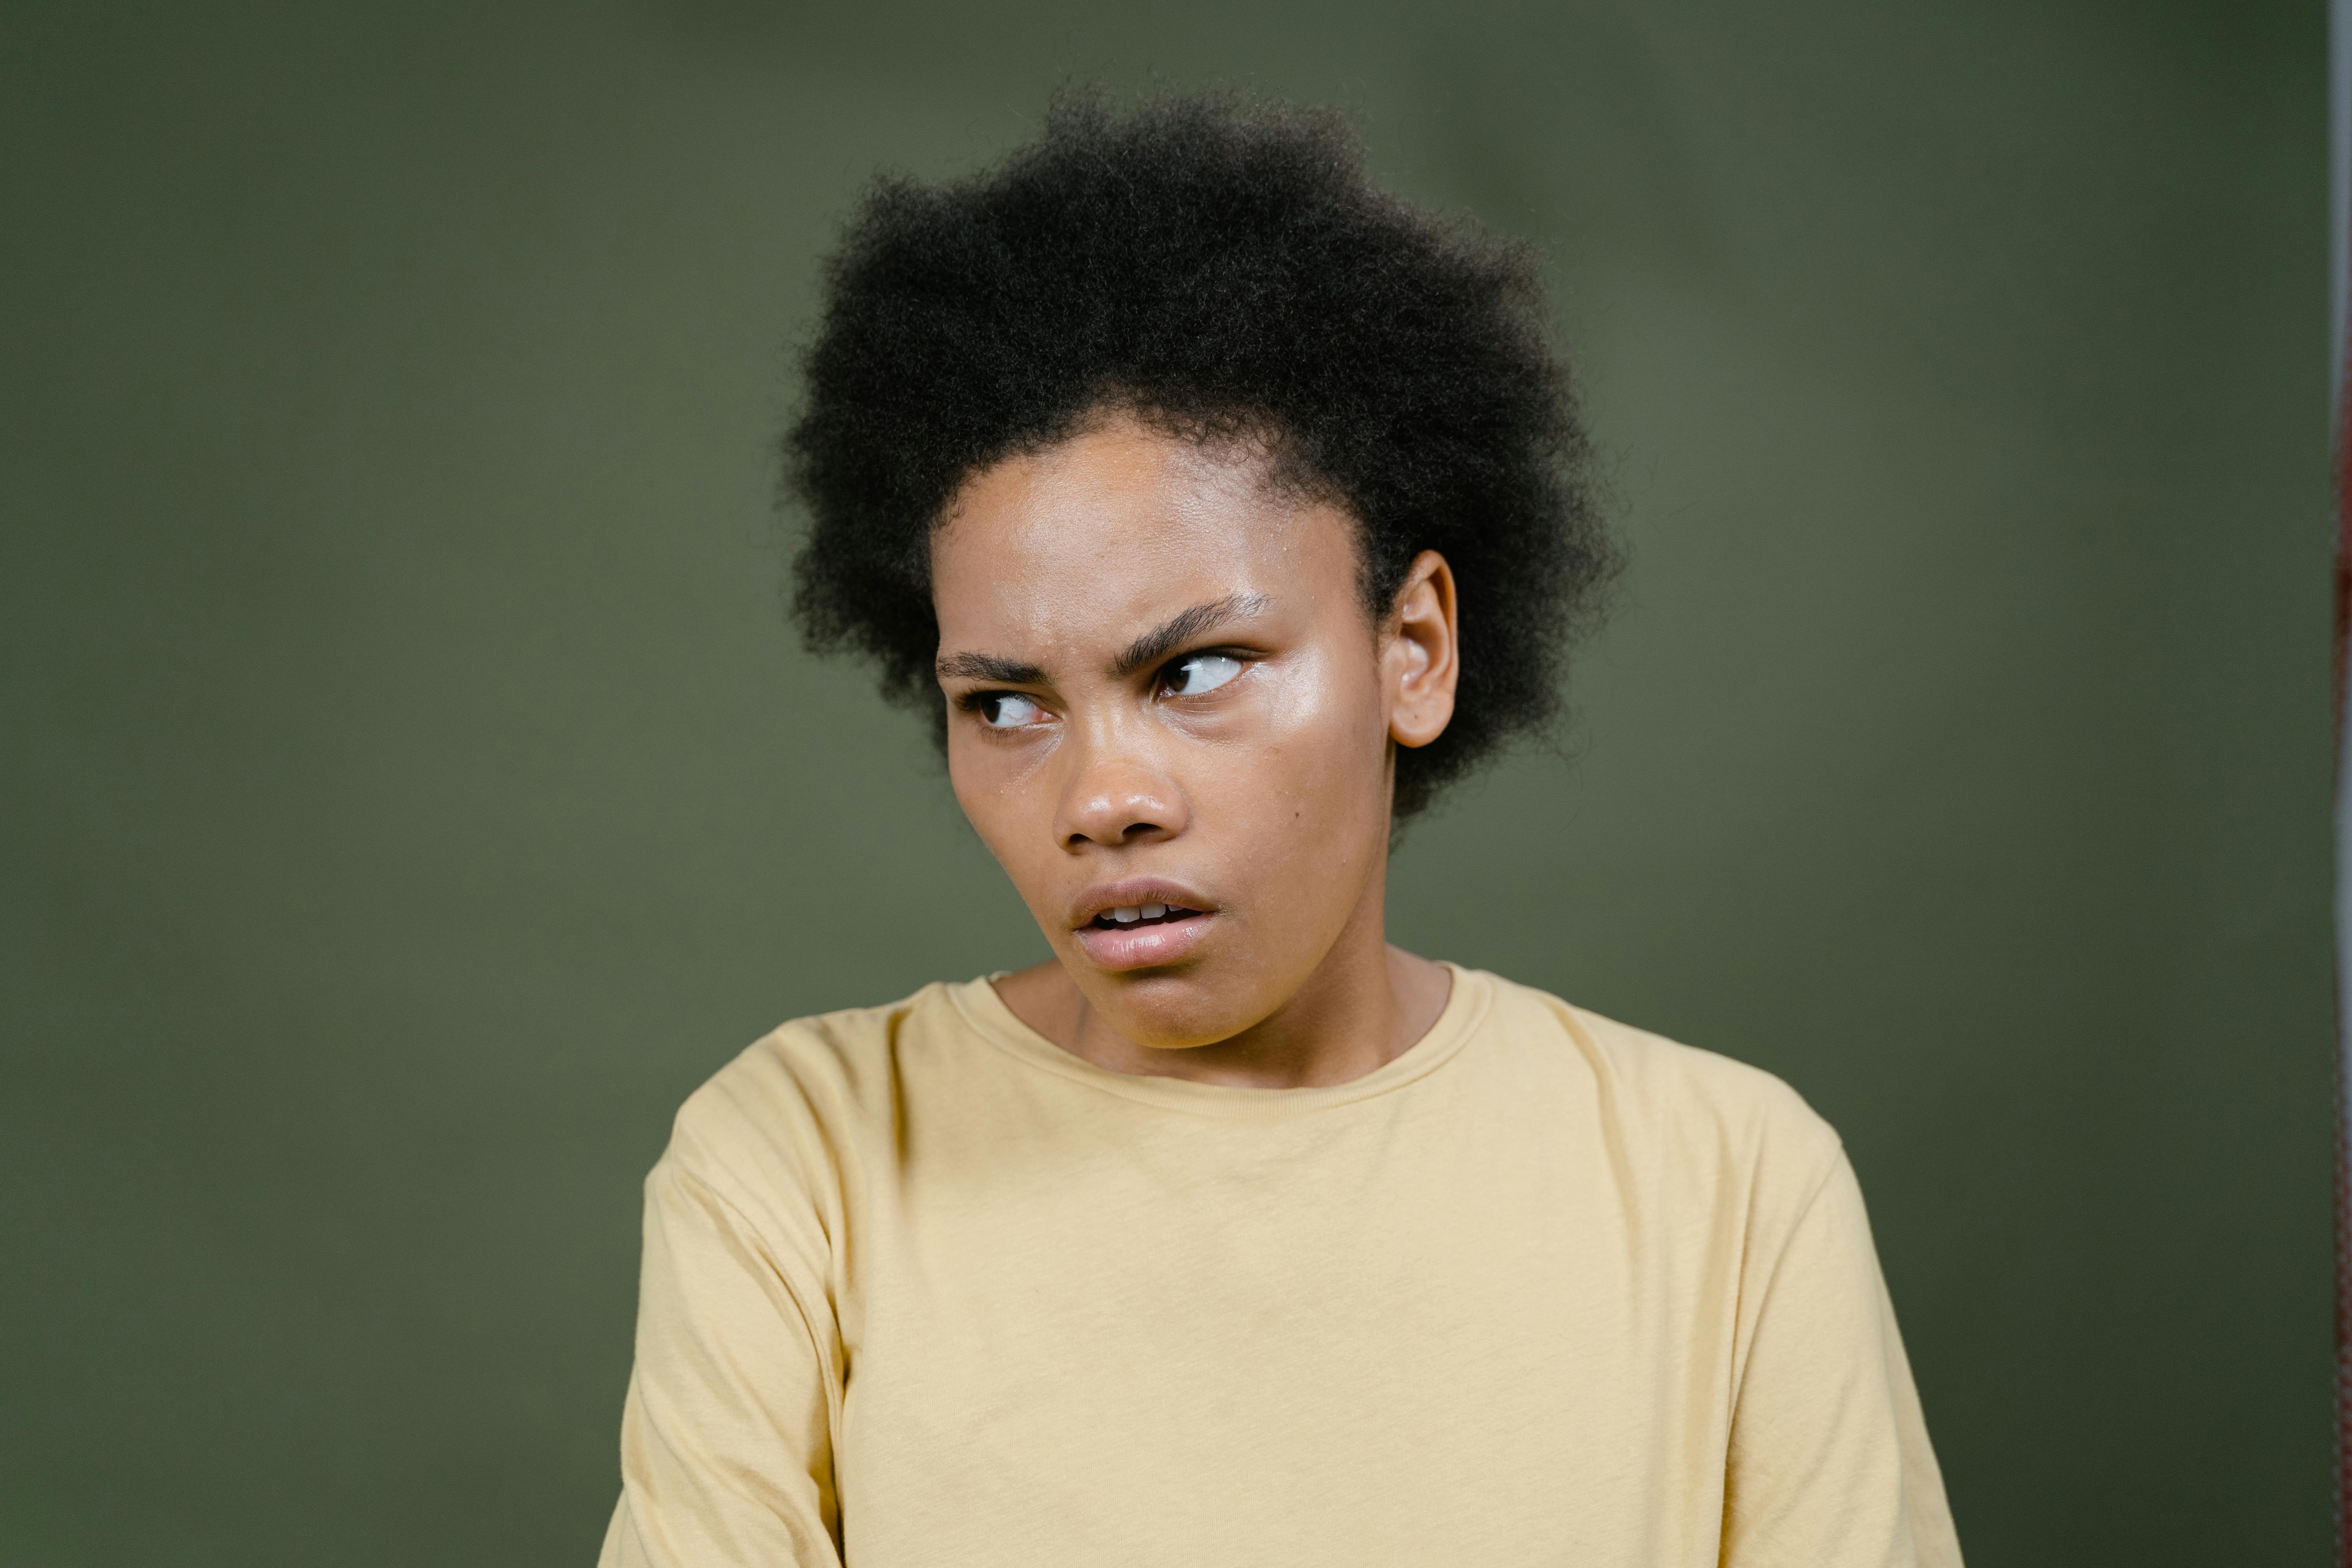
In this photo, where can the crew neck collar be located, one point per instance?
(1466, 1006)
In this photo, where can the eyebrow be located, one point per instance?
(1149, 648)
(1182, 627)
(989, 667)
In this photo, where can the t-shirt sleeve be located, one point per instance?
(1829, 1463)
(726, 1449)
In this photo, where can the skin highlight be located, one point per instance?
(1163, 691)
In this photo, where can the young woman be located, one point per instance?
(1220, 511)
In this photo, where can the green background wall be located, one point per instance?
(409, 790)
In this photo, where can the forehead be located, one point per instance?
(1078, 545)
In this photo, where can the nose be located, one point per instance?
(1117, 795)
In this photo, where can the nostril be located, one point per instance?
(1133, 830)
(1113, 812)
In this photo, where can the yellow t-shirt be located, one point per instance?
(922, 1287)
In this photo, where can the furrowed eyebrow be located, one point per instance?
(989, 667)
(1149, 648)
(1182, 627)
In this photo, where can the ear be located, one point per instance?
(1421, 652)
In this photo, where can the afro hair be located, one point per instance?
(1219, 269)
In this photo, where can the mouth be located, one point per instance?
(1141, 924)
(1128, 917)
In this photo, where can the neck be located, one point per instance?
(1364, 1005)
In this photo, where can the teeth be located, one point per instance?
(1127, 914)
(1153, 911)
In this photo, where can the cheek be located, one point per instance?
(979, 791)
(1005, 800)
(1331, 723)
(1315, 771)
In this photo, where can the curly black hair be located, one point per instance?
(1219, 268)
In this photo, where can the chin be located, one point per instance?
(1170, 1011)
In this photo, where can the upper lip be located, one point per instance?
(1133, 890)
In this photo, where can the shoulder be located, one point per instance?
(1689, 1106)
(790, 1104)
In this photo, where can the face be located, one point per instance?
(1171, 718)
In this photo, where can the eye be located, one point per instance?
(1198, 672)
(1006, 709)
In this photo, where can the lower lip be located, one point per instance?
(1142, 946)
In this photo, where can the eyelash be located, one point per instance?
(1160, 679)
(970, 702)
